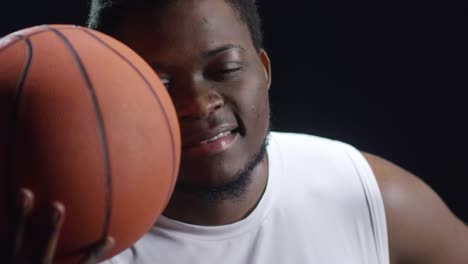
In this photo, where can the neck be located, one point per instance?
(189, 208)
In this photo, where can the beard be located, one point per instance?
(231, 191)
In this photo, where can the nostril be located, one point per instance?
(216, 101)
(200, 107)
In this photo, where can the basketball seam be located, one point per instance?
(101, 128)
(41, 29)
(13, 125)
(171, 132)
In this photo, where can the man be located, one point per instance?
(245, 195)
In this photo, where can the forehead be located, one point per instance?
(187, 26)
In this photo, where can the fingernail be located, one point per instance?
(58, 210)
(110, 241)
(25, 198)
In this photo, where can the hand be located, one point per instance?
(14, 251)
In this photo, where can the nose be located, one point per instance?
(199, 103)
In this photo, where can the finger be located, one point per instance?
(24, 206)
(100, 251)
(56, 221)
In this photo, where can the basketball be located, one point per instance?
(84, 121)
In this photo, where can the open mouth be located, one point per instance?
(220, 135)
(214, 145)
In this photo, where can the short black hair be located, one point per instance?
(105, 14)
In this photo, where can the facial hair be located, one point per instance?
(234, 190)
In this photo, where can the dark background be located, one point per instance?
(387, 77)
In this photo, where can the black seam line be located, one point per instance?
(166, 117)
(100, 123)
(11, 194)
(41, 29)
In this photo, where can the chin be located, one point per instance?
(215, 170)
(222, 178)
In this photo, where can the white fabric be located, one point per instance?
(321, 205)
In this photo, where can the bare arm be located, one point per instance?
(421, 228)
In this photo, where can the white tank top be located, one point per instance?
(321, 205)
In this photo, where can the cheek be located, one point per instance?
(259, 110)
(253, 105)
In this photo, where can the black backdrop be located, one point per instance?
(385, 77)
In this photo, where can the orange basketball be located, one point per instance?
(85, 121)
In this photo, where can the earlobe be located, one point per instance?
(266, 65)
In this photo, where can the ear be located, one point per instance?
(266, 65)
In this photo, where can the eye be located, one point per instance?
(166, 82)
(230, 70)
(225, 72)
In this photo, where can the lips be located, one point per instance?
(206, 136)
(220, 135)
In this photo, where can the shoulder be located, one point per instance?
(297, 138)
(302, 144)
(421, 229)
(313, 155)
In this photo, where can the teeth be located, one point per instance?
(223, 134)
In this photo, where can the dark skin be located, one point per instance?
(209, 102)
(421, 228)
(216, 78)
(203, 53)
(16, 255)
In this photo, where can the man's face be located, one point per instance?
(216, 78)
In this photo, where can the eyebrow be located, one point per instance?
(221, 49)
(209, 53)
